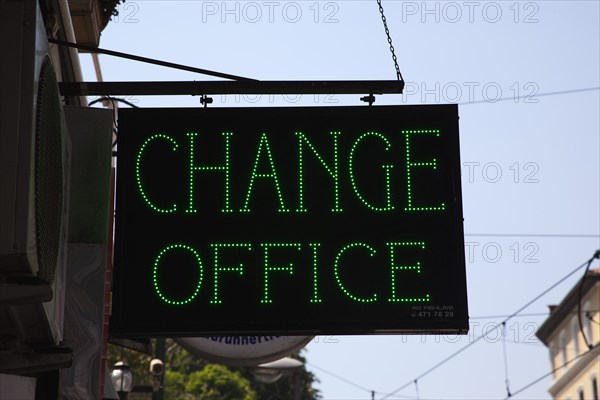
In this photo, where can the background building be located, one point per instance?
(574, 344)
(55, 166)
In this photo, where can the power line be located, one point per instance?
(579, 296)
(535, 381)
(409, 397)
(505, 356)
(523, 315)
(532, 96)
(456, 353)
(341, 378)
(113, 100)
(546, 235)
(506, 316)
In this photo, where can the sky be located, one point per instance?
(526, 77)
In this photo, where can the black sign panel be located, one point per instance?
(342, 220)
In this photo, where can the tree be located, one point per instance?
(213, 382)
(188, 377)
(217, 382)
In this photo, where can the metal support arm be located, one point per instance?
(198, 88)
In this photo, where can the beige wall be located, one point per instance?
(582, 382)
(568, 333)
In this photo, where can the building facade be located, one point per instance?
(572, 335)
(54, 216)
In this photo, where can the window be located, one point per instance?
(575, 336)
(552, 352)
(563, 349)
(581, 395)
(594, 388)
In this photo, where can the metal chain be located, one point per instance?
(389, 39)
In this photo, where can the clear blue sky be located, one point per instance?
(530, 162)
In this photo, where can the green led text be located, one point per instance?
(338, 271)
(328, 170)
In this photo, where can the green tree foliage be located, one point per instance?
(188, 377)
(180, 360)
(213, 382)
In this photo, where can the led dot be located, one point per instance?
(225, 168)
(315, 298)
(336, 266)
(138, 163)
(393, 268)
(331, 170)
(410, 164)
(239, 269)
(264, 144)
(268, 268)
(155, 274)
(387, 169)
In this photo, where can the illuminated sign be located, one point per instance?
(289, 221)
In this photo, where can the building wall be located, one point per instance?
(16, 387)
(567, 344)
(582, 383)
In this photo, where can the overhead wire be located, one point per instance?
(115, 127)
(588, 315)
(348, 381)
(506, 380)
(340, 377)
(537, 380)
(373, 392)
(476, 340)
(546, 314)
(557, 93)
(545, 235)
(579, 297)
(113, 99)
